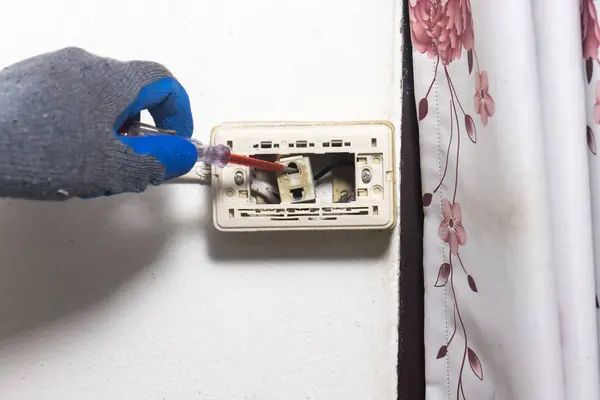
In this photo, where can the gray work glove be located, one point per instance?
(59, 117)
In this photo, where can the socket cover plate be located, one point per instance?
(372, 143)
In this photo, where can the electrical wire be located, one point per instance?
(266, 191)
(200, 174)
(328, 168)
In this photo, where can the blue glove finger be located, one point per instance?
(177, 154)
(168, 103)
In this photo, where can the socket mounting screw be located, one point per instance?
(238, 178)
(366, 175)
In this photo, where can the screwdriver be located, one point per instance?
(218, 155)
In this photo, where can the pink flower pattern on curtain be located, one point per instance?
(442, 30)
(590, 39)
(590, 42)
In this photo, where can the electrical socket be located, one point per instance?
(358, 191)
(296, 187)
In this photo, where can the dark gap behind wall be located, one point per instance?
(411, 349)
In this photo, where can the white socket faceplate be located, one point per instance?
(372, 144)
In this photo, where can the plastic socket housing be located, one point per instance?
(360, 194)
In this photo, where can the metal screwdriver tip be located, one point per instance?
(289, 170)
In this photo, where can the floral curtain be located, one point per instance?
(505, 90)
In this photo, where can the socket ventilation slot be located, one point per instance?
(312, 213)
(302, 144)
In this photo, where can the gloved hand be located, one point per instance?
(59, 115)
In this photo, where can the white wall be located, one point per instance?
(138, 297)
